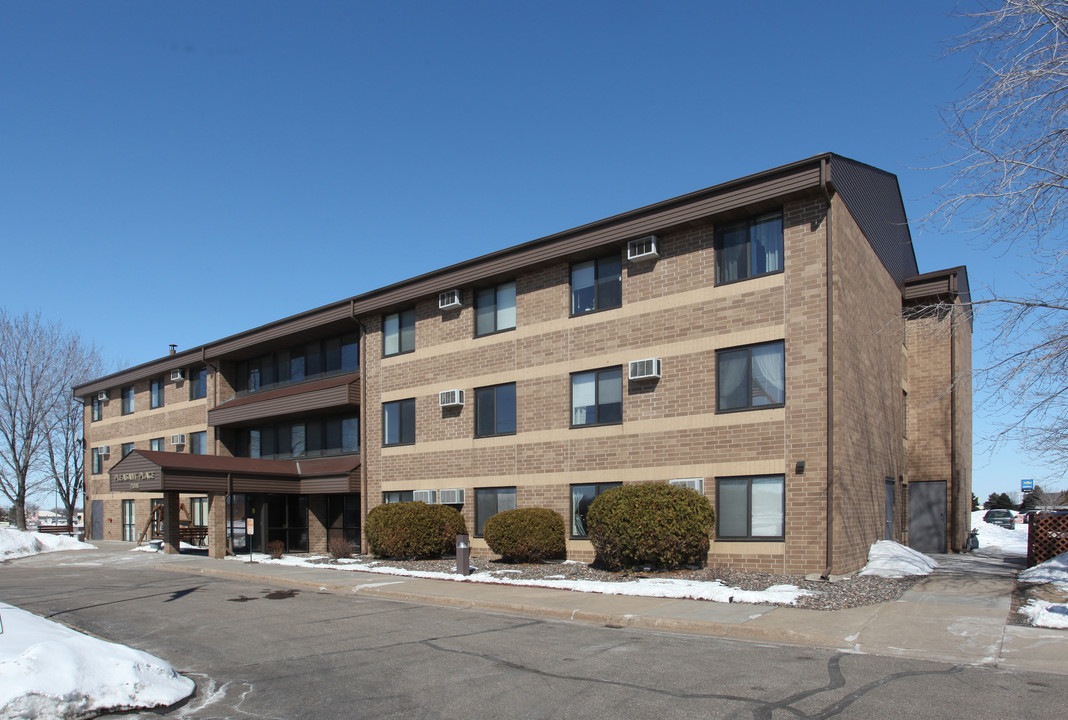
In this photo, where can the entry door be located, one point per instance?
(98, 520)
(889, 535)
(927, 516)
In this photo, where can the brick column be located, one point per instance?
(216, 525)
(171, 540)
(317, 523)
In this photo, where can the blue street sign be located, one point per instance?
(1027, 485)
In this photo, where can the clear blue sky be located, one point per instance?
(175, 172)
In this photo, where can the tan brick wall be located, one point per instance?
(868, 409)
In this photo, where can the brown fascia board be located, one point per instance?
(932, 286)
(779, 182)
(181, 360)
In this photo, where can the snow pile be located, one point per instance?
(643, 587)
(15, 543)
(889, 559)
(51, 671)
(1041, 612)
(996, 540)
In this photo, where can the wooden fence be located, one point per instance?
(1047, 537)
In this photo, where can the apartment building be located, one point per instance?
(768, 342)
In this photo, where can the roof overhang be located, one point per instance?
(153, 471)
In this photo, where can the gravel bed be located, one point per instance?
(853, 591)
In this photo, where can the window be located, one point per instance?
(597, 397)
(751, 508)
(129, 529)
(398, 422)
(155, 389)
(398, 496)
(307, 361)
(489, 502)
(343, 518)
(198, 511)
(98, 461)
(127, 448)
(98, 409)
(156, 444)
(749, 248)
(596, 285)
(127, 400)
(198, 443)
(750, 377)
(198, 383)
(398, 332)
(581, 497)
(495, 410)
(495, 309)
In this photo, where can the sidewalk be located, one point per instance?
(958, 614)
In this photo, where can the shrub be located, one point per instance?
(650, 524)
(413, 530)
(526, 535)
(275, 548)
(340, 547)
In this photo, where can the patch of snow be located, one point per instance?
(889, 559)
(51, 671)
(1045, 614)
(996, 540)
(1054, 570)
(16, 543)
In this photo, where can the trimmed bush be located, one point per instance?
(526, 534)
(339, 548)
(413, 530)
(650, 524)
(275, 549)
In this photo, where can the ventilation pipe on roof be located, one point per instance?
(174, 349)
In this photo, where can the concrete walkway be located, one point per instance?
(958, 614)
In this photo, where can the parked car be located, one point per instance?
(1004, 518)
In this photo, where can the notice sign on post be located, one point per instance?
(249, 525)
(1027, 485)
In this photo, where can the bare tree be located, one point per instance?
(64, 445)
(35, 362)
(1009, 174)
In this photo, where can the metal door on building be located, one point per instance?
(889, 533)
(98, 520)
(927, 516)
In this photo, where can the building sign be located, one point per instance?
(135, 476)
(1027, 485)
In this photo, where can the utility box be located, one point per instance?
(463, 554)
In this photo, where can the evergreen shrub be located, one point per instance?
(526, 535)
(413, 530)
(655, 524)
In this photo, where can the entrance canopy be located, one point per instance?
(156, 471)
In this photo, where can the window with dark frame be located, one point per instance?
(597, 397)
(489, 502)
(127, 448)
(97, 409)
(398, 333)
(198, 443)
(398, 496)
(156, 444)
(129, 526)
(749, 248)
(495, 309)
(155, 392)
(751, 508)
(98, 461)
(198, 383)
(581, 497)
(317, 436)
(596, 285)
(127, 394)
(750, 377)
(343, 518)
(310, 360)
(398, 422)
(495, 410)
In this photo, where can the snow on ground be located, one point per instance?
(48, 670)
(996, 540)
(15, 543)
(1041, 612)
(889, 559)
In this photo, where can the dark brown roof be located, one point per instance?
(249, 466)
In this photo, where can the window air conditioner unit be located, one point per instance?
(692, 483)
(449, 299)
(643, 248)
(104, 450)
(177, 375)
(451, 398)
(178, 439)
(102, 395)
(644, 369)
(428, 496)
(454, 496)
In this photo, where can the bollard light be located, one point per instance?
(463, 554)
